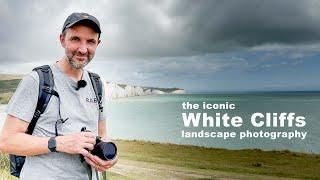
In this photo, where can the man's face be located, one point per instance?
(80, 43)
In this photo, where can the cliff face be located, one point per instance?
(114, 90)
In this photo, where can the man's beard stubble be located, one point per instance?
(78, 65)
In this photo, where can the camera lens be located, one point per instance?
(105, 150)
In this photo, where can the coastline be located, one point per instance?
(142, 138)
(153, 160)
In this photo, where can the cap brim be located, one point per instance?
(87, 22)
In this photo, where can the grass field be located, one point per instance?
(8, 85)
(148, 160)
(4, 168)
(10, 76)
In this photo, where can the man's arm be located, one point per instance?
(14, 140)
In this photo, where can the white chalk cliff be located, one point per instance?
(114, 90)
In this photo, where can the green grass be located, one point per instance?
(7, 87)
(4, 168)
(251, 161)
(5, 97)
(10, 76)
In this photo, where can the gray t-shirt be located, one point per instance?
(80, 107)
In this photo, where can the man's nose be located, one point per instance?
(83, 49)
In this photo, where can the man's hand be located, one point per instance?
(99, 164)
(78, 143)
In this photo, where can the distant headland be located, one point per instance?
(114, 90)
(9, 82)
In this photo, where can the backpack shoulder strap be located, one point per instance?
(97, 87)
(46, 85)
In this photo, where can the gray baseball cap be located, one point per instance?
(85, 18)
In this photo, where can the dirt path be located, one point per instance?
(128, 169)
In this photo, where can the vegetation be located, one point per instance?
(209, 161)
(10, 76)
(5, 97)
(4, 168)
(248, 161)
(167, 90)
(7, 87)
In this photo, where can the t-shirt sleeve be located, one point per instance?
(24, 100)
(102, 115)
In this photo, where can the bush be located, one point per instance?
(5, 97)
(4, 168)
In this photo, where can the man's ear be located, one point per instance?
(62, 40)
(99, 41)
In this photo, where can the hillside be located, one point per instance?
(150, 160)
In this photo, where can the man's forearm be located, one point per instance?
(14, 140)
(24, 144)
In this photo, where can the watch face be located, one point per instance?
(52, 144)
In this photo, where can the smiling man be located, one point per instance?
(54, 147)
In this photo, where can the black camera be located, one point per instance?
(104, 150)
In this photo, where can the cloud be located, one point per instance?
(149, 29)
(169, 70)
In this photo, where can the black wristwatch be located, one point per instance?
(52, 144)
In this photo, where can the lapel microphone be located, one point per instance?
(81, 84)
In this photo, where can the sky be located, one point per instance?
(201, 46)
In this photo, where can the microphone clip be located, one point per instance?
(81, 84)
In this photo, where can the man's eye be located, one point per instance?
(74, 39)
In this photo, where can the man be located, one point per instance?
(80, 37)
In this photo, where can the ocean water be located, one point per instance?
(159, 118)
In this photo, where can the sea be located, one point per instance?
(159, 118)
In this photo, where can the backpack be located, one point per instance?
(46, 90)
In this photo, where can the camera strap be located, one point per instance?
(104, 175)
(89, 171)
